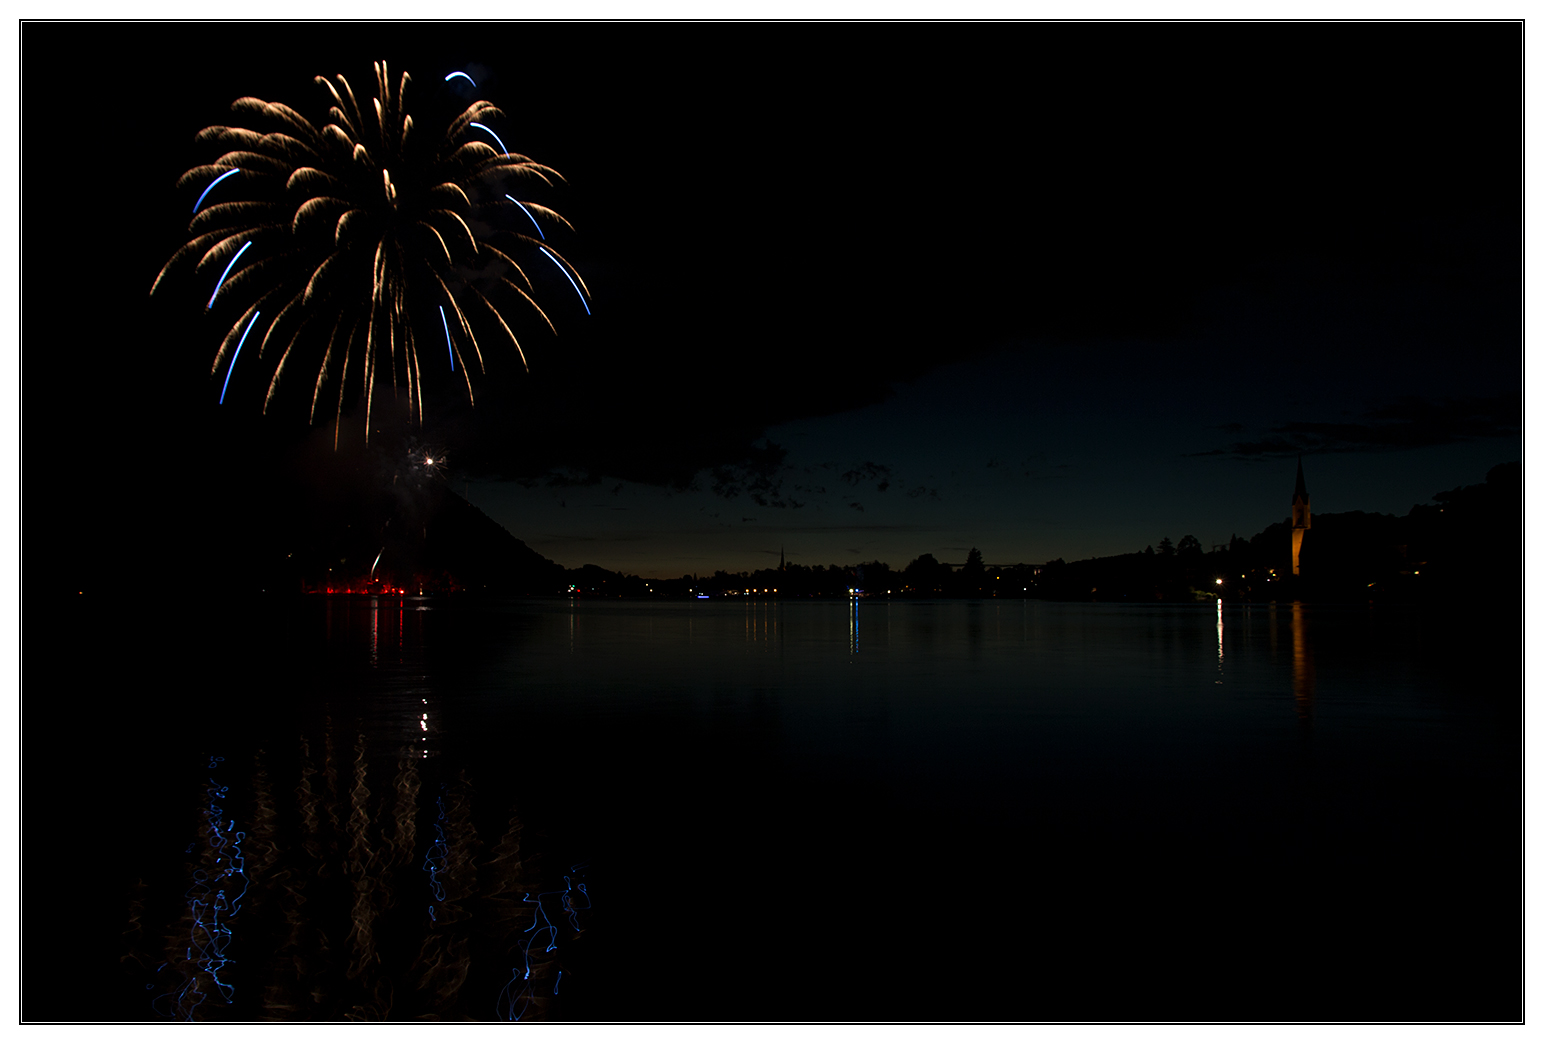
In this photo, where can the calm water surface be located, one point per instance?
(776, 811)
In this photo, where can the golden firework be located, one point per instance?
(363, 241)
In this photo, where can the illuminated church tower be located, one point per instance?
(1302, 521)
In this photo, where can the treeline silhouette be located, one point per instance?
(1468, 543)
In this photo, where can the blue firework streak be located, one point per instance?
(566, 269)
(212, 184)
(528, 214)
(492, 134)
(237, 355)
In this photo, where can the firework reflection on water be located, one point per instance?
(344, 901)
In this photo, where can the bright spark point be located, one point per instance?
(485, 127)
(528, 214)
(234, 355)
(463, 75)
(570, 280)
(227, 272)
(212, 184)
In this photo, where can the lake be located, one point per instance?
(242, 810)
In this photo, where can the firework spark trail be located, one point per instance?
(367, 200)
(528, 214)
(212, 184)
(243, 341)
(491, 133)
(450, 348)
(225, 273)
(210, 908)
(564, 269)
(516, 996)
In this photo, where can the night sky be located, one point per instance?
(860, 291)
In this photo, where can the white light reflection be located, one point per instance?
(1219, 639)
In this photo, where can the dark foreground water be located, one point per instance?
(772, 811)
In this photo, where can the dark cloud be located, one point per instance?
(868, 471)
(758, 474)
(876, 527)
(1408, 423)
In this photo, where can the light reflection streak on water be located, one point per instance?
(318, 961)
(375, 630)
(760, 621)
(210, 934)
(1302, 664)
(852, 624)
(516, 996)
(438, 857)
(1219, 636)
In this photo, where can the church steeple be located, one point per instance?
(1302, 519)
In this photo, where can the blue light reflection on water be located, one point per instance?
(438, 856)
(515, 999)
(214, 898)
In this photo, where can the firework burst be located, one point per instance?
(423, 462)
(370, 255)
